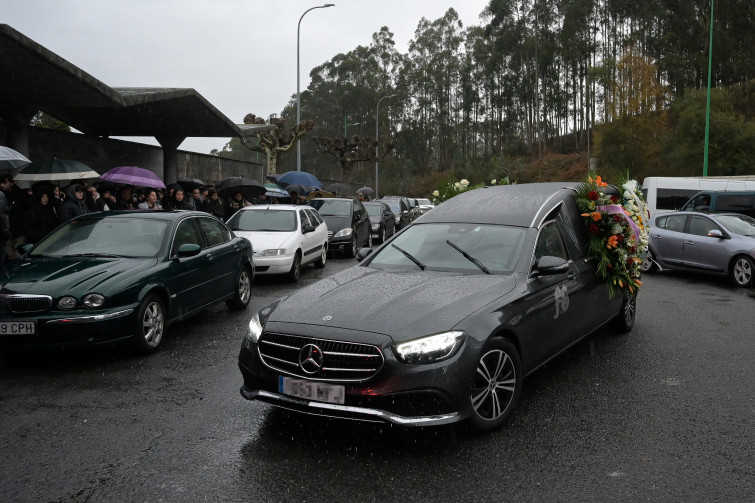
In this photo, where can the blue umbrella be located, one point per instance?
(299, 178)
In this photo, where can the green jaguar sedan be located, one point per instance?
(122, 276)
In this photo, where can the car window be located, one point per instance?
(304, 217)
(328, 208)
(550, 242)
(314, 217)
(216, 232)
(373, 210)
(263, 220)
(186, 233)
(734, 202)
(673, 223)
(497, 247)
(739, 224)
(700, 226)
(132, 237)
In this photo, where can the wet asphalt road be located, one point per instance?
(663, 414)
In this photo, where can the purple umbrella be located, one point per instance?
(132, 175)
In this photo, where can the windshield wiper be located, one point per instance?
(410, 257)
(106, 255)
(470, 258)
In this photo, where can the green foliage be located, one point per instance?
(449, 187)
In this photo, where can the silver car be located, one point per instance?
(721, 243)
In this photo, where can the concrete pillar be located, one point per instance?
(17, 129)
(170, 157)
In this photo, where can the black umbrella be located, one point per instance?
(189, 184)
(250, 189)
(301, 190)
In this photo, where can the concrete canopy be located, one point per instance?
(32, 78)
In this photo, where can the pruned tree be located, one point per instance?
(274, 142)
(349, 151)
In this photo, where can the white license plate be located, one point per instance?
(318, 391)
(17, 328)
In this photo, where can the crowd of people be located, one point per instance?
(27, 215)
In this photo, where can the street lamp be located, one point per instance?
(298, 94)
(377, 140)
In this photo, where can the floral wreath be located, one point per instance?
(617, 226)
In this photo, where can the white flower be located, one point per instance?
(436, 193)
(464, 182)
(616, 228)
(457, 186)
(492, 182)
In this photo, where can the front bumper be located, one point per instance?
(273, 265)
(340, 244)
(400, 394)
(76, 328)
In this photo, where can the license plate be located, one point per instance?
(17, 328)
(318, 391)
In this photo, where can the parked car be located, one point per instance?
(411, 204)
(400, 210)
(443, 323)
(348, 223)
(720, 201)
(425, 205)
(721, 243)
(382, 220)
(284, 237)
(122, 276)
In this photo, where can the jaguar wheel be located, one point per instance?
(150, 324)
(742, 271)
(243, 290)
(496, 385)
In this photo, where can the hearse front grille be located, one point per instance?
(341, 361)
(24, 304)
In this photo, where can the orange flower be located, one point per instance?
(596, 216)
(613, 242)
(599, 182)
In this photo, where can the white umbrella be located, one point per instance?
(10, 159)
(55, 170)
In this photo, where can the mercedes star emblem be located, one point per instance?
(310, 359)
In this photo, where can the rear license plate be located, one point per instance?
(318, 391)
(17, 328)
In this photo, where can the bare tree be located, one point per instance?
(276, 141)
(349, 151)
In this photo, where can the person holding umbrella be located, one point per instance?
(213, 205)
(40, 219)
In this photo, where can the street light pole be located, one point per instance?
(377, 141)
(707, 108)
(298, 94)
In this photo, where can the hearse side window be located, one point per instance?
(550, 242)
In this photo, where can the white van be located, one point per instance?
(669, 193)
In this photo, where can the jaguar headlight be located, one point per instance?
(93, 300)
(272, 252)
(67, 302)
(375, 227)
(343, 233)
(430, 349)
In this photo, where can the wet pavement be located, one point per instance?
(665, 413)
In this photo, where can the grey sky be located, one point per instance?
(239, 54)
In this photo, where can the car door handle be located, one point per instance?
(571, 276)
(210, 257)
(689, 242)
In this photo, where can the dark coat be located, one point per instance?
(72, 206)
(215, 208)
(39, 221)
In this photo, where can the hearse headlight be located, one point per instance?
(343, 233)
(375, 227)
(67, 302)
(430, 349)
(93, 300)
(254, 329)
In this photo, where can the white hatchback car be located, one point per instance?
(284, 237)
